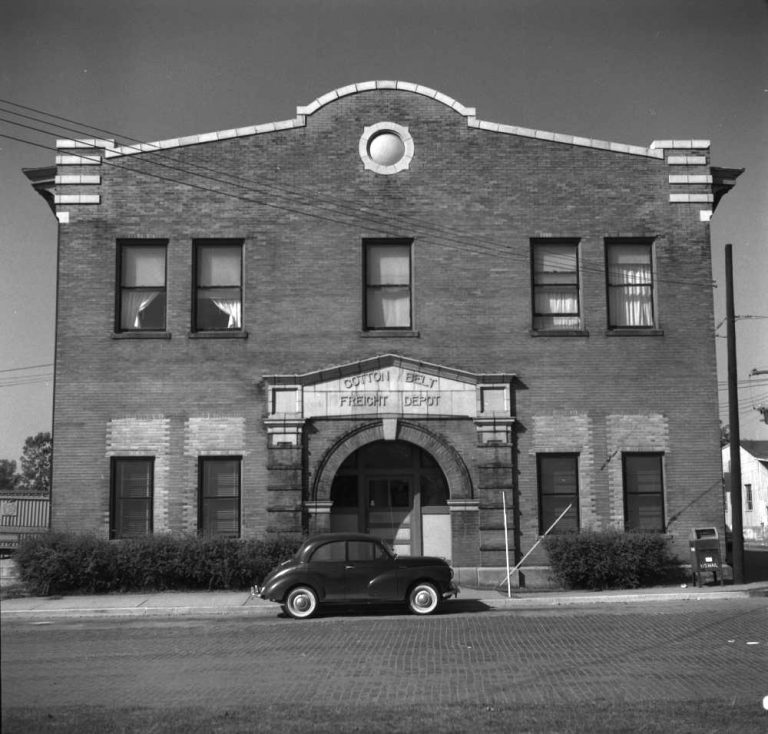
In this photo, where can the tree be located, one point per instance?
(9, 479)
(36, 464)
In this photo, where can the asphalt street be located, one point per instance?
(677, 651)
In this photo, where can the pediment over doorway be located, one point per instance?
(390, 385)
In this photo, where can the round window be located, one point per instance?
(386, 148)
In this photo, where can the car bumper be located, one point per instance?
(453, 590)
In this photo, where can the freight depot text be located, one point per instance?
(387, 400)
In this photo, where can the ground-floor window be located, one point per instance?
(558, 487)
(219, 503)
(643, 492)
(132, 490)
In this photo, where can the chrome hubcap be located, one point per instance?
(301, 603)
(423, 599)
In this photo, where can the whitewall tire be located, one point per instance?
(423, 598)
(301, 602)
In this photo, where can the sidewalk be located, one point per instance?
(241, 603)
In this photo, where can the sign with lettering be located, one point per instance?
(390, 390)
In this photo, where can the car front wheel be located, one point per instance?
(423, 598)
(301, 602)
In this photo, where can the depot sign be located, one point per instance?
(389, 386)
(395, 390)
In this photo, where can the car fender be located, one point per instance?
(435, 575)
(277, 588)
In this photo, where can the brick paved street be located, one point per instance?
(709, 650)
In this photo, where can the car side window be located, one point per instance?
(329, 552)
(361, 550)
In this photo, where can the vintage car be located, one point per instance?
(354, 568)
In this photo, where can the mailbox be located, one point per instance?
(705, 554)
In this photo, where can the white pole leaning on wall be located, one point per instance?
(506, 543)
(533, 547)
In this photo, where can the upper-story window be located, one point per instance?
(555, 285)
(388, 284)
(629, 267)
(218, 303)
(142, 292)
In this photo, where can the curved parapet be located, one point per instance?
(655, 150)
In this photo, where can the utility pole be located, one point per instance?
(737, 524)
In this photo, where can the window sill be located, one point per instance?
(141, 335)
(218, 335)
(634, 332)
(379, 333)
(559, 332)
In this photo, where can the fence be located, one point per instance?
(21, 516)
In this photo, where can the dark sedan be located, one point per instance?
(353, 568)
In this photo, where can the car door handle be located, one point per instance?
(348, 566)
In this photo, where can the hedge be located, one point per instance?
(59, 563)
(610, 559)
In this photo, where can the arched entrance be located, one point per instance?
(396, 491)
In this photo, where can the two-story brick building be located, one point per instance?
(389, 315)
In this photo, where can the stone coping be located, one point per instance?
(655, 150)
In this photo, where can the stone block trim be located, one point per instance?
(77, 199)
(691, 198)
(687, 160)
(680, 144)
(77, 180)
(693, 179)
(85, 143)
(631, 433)
(78, 160)
(215, 436)
(82, 179)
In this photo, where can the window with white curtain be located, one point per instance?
(387, 284)
(630, 285)
(142, 286)
(218, 285)
(555, 285)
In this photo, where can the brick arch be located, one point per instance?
(453, 467)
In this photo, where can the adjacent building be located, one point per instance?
(754, 490)
(386, 314)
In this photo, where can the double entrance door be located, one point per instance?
(397, 492)
(392, 506)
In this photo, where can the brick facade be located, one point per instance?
(301, 201)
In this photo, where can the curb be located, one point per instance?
(472, 603)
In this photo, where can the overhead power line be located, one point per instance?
(363, 217)
(28, 367)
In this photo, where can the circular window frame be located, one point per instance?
(370, 132)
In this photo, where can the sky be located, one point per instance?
(627, 71)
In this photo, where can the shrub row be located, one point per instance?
(57, 563)
(610, 559)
